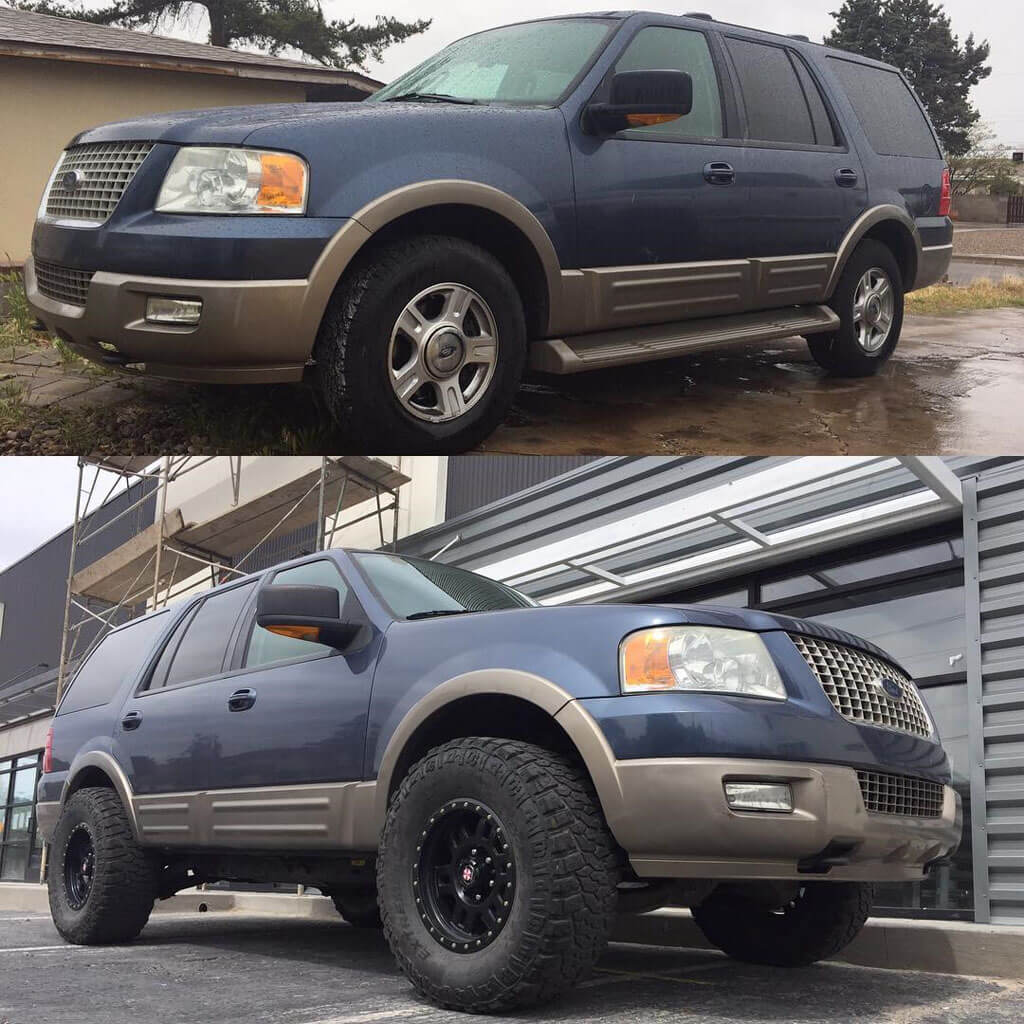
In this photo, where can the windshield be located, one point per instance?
(415, 589)
(533, 63)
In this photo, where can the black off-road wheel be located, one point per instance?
(497, 875)
(358, 906)
(822, 919)
(102, 884)
(422, 347)
(869, 303)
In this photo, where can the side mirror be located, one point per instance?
(641, 98)
(305, 613)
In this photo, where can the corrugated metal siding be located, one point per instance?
(477, 480)
(994, 572)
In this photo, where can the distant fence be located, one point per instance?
(1015, 210)
(980, 209)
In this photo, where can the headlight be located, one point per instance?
(202, 179)
(699, 658)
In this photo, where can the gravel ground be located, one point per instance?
(990, 241)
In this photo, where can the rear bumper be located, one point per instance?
(932, 264)
(671, 817)
(249, 331)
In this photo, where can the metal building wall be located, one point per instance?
(994, 574)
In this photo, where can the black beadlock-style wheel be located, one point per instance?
(358, 906)
(102, 884)
(497, 875)
(422, 347)
(822, 919)
(869, 302)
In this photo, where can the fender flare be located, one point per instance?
(378, 213)
(860, 227)
(106, 763)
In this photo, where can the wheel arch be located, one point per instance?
(97, 768)
(479, 213)
(892, 227)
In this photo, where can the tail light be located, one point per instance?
(946, 197)
(48, 752)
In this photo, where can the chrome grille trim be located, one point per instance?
(107, 169)
(846, 674)
(62, 283)
(885, 793)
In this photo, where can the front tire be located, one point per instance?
(102, 884)
(869, 302)
(497, 875)
(422, 347)
(822, 919)
(358, 906)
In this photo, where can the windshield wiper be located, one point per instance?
(440, 611)
(429, 97)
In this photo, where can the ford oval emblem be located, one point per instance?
(889, 686)
(72, 181)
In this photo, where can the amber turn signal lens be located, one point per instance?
(297, 632)
(645, 662)
(641, 120)
(283, 181)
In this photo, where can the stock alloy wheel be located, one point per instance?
(873, 309)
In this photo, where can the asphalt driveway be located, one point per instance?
(200, 968)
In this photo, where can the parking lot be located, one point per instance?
(229, 967)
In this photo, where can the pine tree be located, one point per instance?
(273, 26)
(916, 37)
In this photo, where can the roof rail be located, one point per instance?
(698, 14)
(802, 38)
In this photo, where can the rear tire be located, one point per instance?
(102, 884)
(358, 906)
(823, 919)
(470, 929)
(870, 287)
(365, 359)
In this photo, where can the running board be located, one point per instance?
(665, 341)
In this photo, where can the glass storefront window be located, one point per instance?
(19, 857)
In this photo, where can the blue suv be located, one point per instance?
(571, 193)
(491, 780)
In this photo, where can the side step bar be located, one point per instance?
(665, 341)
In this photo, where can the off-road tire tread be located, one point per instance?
(125, 884)
(358, 917)
(337, 348)
(580, 854)
(828, 922)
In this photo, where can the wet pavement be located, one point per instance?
(194, 969)
(955, 384)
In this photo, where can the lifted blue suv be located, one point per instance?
(570, 193)
(489, 779)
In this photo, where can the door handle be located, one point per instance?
(241, 700)
(846, 177)
(132, 720)
(719, 173)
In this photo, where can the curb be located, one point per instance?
(993, 259)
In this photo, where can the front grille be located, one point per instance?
(105, 169)
(63, 283)
(884, 793)
(848, 677)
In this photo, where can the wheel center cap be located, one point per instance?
(873, 310)
(445, 351)
(467, 873)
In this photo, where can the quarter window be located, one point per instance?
(266, 647)
(677, 49)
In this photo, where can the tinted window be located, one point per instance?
(887, 110)
(777, 109)
(158, 677)
(676, 49)
(824, 133)
(265, 647)
(117, 657)
(200, 652)
(411, 587)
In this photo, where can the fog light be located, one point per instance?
(759, 796)
(173, 311)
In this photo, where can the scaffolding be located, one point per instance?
(162, 561)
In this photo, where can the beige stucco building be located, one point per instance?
(58, 77)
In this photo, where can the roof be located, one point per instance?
(25, 34)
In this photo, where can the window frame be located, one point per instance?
(793, 55)
(7, 804)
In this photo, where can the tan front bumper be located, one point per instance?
(671, 817)
(249, 331)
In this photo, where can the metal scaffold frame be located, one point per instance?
(161, 562)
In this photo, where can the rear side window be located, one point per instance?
(888, 112)
(197, 648)
(118, 656)
(677, 49)
(783, 104)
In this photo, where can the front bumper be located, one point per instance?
(671, 817)
(249, 331)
